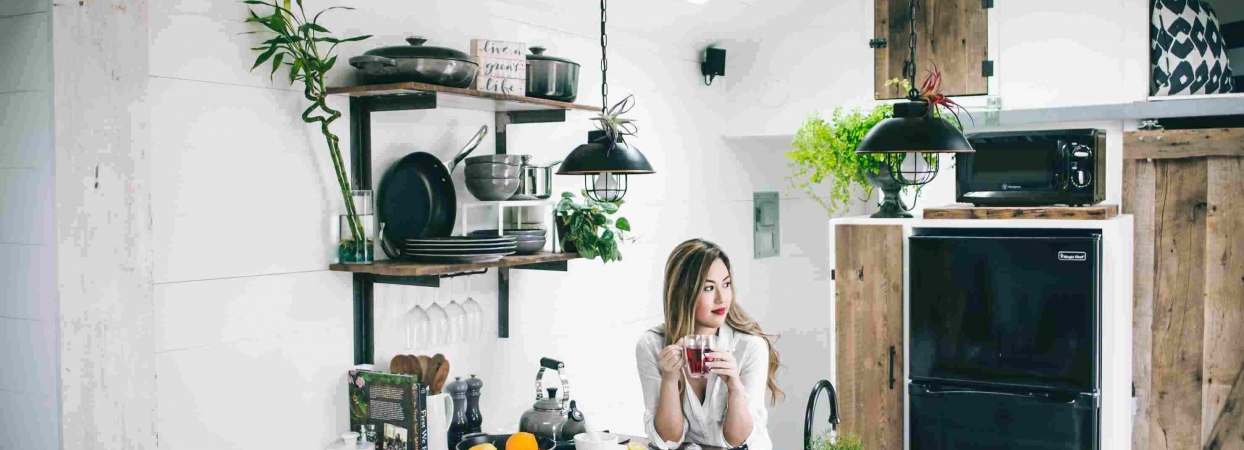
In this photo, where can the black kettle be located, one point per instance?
(823, 385)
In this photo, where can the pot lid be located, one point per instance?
(416, 49)
(537, 53)
(549, 403)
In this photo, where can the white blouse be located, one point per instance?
(704, 422)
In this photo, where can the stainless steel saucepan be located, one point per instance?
(537, 180)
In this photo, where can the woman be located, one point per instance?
(727, 408)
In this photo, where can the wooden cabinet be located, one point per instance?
(868, 284)
(1186, 190)
(951, 33)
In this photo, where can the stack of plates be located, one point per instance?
(460, 249)
(530, 240)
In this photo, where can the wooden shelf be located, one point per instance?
(412, 269)
(448, 97)
(1099, 212)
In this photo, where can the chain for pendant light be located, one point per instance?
(909, 66)
(604, 61)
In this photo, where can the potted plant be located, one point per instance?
(844, 441)
(827, 148)
(587, 228)
(297, 46)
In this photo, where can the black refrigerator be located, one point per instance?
(1005, 339)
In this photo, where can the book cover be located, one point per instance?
(383, 409)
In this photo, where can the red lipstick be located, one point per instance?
(720, 311)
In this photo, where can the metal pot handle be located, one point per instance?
(391, 252)
(470, 147)
(363, 61)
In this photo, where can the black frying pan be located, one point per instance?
(417, 199)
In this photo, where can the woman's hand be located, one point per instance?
(671, 361)
(723, 364)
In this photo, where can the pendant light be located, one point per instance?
(606, 160)
(911, 141)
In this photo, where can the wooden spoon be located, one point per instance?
(442, 374)
(399, 364)
(425, 369)
(415, 368)
(433, 371)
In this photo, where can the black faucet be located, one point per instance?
(828, 387)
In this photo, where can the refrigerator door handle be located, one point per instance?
(1044, 396)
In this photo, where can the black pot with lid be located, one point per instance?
(550, 77)
(417, 62)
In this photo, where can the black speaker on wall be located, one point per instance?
(714, 64)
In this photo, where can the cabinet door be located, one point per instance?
(953, 34)
(868, 285)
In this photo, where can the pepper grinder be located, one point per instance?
(475, 418)
(458, 424)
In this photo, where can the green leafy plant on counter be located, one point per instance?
(844, 441)
(297, 46)
(588, 226)
(826, 149)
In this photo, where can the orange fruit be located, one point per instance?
(522, 441)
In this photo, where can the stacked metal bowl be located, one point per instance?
(529, 240)
(493, 177)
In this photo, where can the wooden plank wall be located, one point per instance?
(869, 295)
(1188, 325)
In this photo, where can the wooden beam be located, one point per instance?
(1178, 305)
(1138, 200)
(1224, 300)
(1163, 144)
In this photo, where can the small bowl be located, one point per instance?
(513, 160)
(493, 189)
(527, 247)
(492, 170)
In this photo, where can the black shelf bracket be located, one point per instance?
(360, 175)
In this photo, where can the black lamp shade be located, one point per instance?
(912, 129)
(595, 157)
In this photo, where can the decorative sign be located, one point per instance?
(496, 85)
(488, 48)
(501, 68)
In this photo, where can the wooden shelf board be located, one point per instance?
(1099, 212)
(448, 97)
(410, 269)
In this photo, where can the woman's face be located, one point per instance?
(715, 300)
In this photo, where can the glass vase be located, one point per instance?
(352, 248)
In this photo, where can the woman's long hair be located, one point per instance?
(686, 272)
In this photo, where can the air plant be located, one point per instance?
(939, 104)
(613, 124)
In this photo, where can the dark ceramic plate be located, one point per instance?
(462, 251)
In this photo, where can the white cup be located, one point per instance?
(606, 441)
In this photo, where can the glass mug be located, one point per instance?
(697, 347)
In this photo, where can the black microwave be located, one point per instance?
(1033, 168)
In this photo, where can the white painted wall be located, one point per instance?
(246, 315)
(1048, 54)
(29, 379)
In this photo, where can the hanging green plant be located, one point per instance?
(826, 149)
(296, 46)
